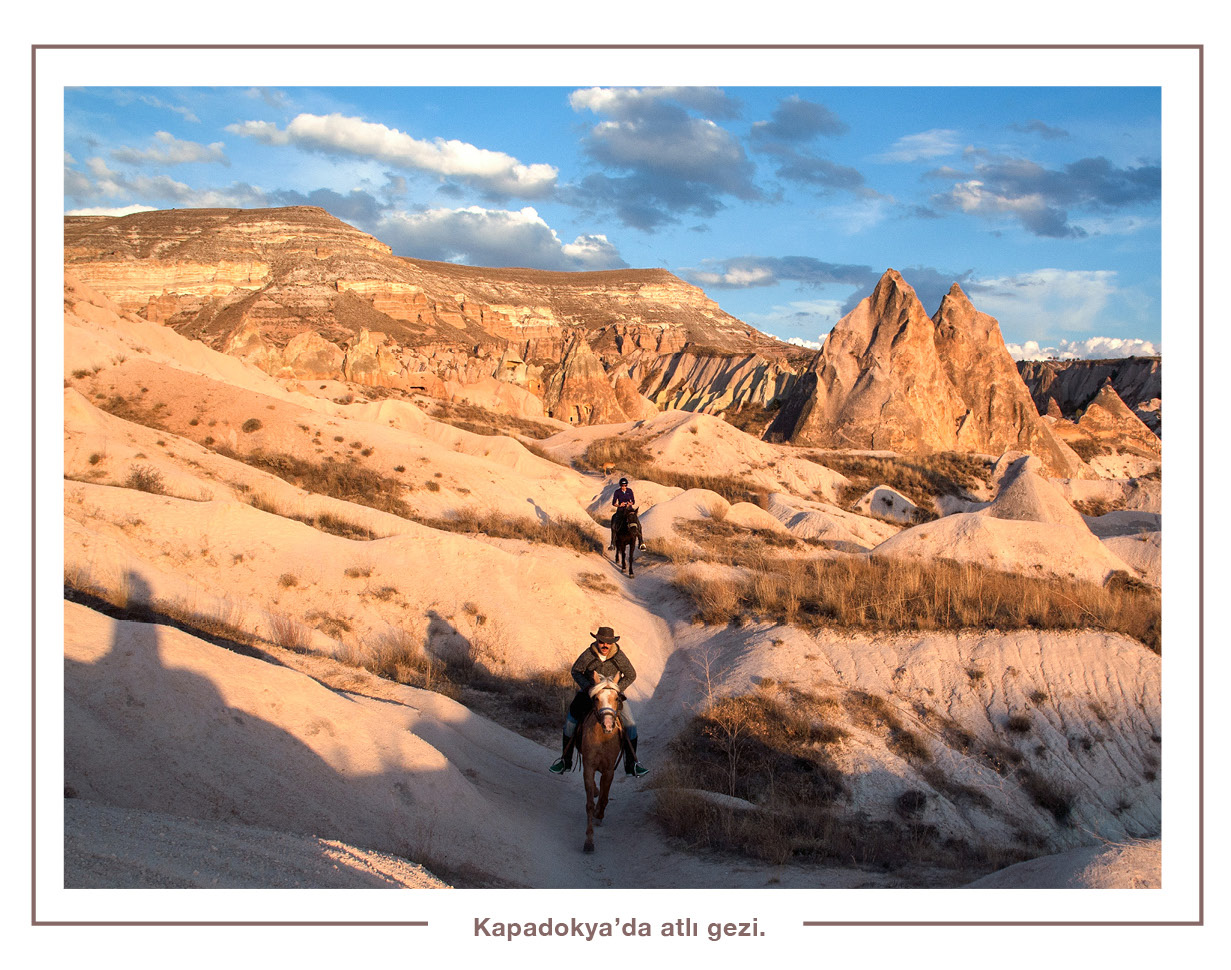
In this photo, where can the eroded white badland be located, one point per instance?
(183, 498)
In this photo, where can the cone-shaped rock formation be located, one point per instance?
(889, 377)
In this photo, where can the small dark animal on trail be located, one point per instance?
(627, 538)
(601, 743)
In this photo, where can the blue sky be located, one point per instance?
(784, 204)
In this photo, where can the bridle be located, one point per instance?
(607, 715)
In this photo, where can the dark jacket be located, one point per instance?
(585, 666)
(623, 495)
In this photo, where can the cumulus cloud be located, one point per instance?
(661, 159)
(184, 112)
(934, 143)
(166, 149)
(1040, 198)
(752, 271)
(1092, 348)
(99, 182)
(492, 172)
(1047, 300)
(105, 211)
(1036, 127)
(493, 237)
(796, 120)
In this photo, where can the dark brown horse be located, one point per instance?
(601, 737)
(627, 538)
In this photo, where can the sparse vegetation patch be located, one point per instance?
(890, 594)
(919, 477)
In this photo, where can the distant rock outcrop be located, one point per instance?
(889, 377)
(1072, 384)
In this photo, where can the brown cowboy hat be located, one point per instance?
(605, 635)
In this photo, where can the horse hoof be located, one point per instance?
(598, 821)
(588, 847)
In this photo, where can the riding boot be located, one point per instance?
(565, 761)
(631, 765)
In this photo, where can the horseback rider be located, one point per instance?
(622, 498)
(605, 658)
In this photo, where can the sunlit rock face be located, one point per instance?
(890, 377)
(268, 284)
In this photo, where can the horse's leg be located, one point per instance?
(603, 790)
(632, 552)
(590, 793)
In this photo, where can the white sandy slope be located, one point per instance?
(1130, 865)
(160, 721)
(1028, 528)
(689, 443)
(105, 846)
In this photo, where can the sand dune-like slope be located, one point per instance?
(106, 846)
(322, 524)
(1133, 865)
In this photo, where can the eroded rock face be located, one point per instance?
(1073, 384)
(1108, 420)
(253, 281)
(889, 377)
(579, 392)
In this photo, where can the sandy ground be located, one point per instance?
(191, 764)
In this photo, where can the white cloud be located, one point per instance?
(104, 211)
(101, 182)
(737, 276)
(1092, 348)
(169, 150)
(341, 135)
(926, 144)
(797, 318)
(493, 237)
(1047, 300)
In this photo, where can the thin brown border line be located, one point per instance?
(1199, 48)
(650, 47)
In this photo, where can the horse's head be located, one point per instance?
(631, 520)
(606, 696)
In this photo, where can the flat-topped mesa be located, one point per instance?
(890, 377)
(252, 281)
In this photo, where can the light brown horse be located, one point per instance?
(601, 743)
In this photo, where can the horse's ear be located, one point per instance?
(594, 674)
(616, 678)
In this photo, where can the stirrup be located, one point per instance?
(559, 767)
(638, 770)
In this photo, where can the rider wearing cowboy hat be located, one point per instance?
(605, 658)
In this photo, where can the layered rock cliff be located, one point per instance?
(276, 286)
(890, 377)
(1073, 384)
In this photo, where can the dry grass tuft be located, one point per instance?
(857, 592)
(920, 477)
(564, 533)
(772, 752)
(146, 478)
(634, 460)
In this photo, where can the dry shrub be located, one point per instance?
(349, 483)
(288, 634)
(146, 478)
(555, 532)
(863, 592)
(1093, 507)
(634, 460)
(773, 754)
(478, 420)
(919, 477)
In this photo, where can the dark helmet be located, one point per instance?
(623, 481)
